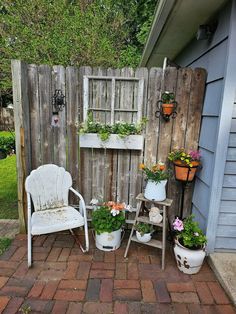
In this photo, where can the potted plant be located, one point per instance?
(157, 176)
(168, 103)
(143, 232)
(120, 135)
(185, 163)
(189, 245)
(107, 221)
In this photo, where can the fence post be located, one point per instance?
(22, 131)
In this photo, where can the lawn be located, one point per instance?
(8, 188)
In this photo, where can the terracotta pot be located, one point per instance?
(183, 172)
(188, 261)
(167, 109)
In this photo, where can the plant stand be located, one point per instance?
(141, 218)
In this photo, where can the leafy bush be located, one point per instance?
(7, 144)
(104, 219)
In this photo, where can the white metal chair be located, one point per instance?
(48, 187)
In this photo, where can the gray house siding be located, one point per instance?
(211, 56)
(214, 199)
(226, 229)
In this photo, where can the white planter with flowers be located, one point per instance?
(143, 232)
(189, 245)
(157, 176)
(107, 221)
(155, 191)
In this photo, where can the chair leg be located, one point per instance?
(29, 250)
(78, 242)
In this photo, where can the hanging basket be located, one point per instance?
(184, 172)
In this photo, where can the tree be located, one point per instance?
(105, 33)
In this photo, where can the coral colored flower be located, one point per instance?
(178, 224)
(162, 167)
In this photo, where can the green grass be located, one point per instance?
(4, 243)
(6, 133)
(8, 188)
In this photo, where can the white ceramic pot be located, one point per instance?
(188, 261)
(108, 241)
(143, 238)
(155, 191)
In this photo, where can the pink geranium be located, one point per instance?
(178, 224)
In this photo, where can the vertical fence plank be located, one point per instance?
(72, 107)
(152, 128)
(22, 131)
(178, 134)
(85, 155)
(59, 133)
(33, 92)
(125, 102)
(45, 102)
(137, 156)
(165, 133)
(193, 125)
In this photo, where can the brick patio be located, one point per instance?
(63, 280)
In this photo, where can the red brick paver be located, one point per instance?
(63, 280)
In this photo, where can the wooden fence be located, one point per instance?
(6, 119)
(110, 174)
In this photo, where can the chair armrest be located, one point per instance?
(82, 202)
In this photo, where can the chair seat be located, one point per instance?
(57, 219)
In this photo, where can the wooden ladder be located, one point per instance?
(153, 242)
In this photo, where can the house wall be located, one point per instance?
(213, 56)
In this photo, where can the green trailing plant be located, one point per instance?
(143, 228)
(106, 219)
(104, 131)
(189, 233)
(167, 97)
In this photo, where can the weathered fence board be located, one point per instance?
(112, 95)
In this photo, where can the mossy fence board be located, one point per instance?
(107, 173)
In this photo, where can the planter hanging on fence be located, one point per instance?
(184, 172)
(92, 140)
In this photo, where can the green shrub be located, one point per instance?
(7, 143)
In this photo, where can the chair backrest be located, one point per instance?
(48, 186)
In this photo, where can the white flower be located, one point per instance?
(129, 208)
(196, 234)
(94, 201)
(115, 212)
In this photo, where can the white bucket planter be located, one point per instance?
(108, 241)
(155, 191)
(143, 238)
(188, 261)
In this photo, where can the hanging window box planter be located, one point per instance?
(92, 140)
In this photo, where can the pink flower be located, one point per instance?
(178, 224)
